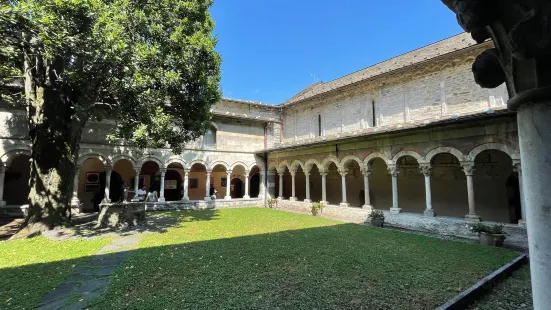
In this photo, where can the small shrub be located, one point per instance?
(496, 229)
(317, 207)
(272, 203)
(377, 214)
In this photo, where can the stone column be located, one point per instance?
(324, 186)
(468, 168)
(228, 185)
(394, 172)
(518, 169)
(246, 196)
(2, 174)
(307, 175)
(343, 173)
(426, 170)
(162, 189)
(186, 184)
(207, 186)
(108, 171)
(262, 185)
(136, 182)
(293, 196)
(280, 174)
(367, 199)
(74, 200)
(271, 193)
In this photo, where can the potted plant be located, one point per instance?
(493, 235)
(272, 203)
(377, 218)
(317, 208)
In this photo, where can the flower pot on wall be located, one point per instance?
(491, 239)
(378, 222)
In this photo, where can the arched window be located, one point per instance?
(210, 137)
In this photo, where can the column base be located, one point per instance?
(395, 210)
(74, 202)
(307, 200)
(522, 223)
(161, 199)
(185, 199)
(106, 200)
(472, 218)
(227, 197)
(279, 198)
(344, 204)
(292, 198)
(429, 213)
(246, 197)
(206, 199)
(325, 203)
(3, 203)
(368, 208)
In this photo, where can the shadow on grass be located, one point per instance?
(331, 267)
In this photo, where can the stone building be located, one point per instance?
(414, 135)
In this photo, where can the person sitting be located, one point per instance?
(140, 195)
(152, 196)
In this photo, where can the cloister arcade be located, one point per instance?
(482, 184)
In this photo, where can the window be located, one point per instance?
(210, 137)
(319, 125)
(374, 120)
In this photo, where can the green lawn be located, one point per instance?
(262, 258)
(30, 268)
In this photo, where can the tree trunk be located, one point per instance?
(55, 136)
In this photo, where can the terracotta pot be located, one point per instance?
(491, 239)
(378, 222)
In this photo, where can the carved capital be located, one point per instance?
(366, 171)
(293, 172)
(426, 170)
(468, 168)
(343, 172)
(394, 170)
(162, 171)
(517, 168)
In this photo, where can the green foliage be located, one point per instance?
(148, 65)
(317, 207)
(272, 203)
(377, 214)
(496, 229)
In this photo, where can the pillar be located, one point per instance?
(534, 124)
(136, 182)
(307, 175)
(367, 199)
(207, 186)
(343, 173)
(280, 173)
(426, 170)
(246, 196)
(323, 186)
(262, 185)
(271, 193)
(468, 168)
(74, 200)
(162, 189)
(186, 184)
(108, 171)
(228, 185)
(2, 174)
(293, 196)
(394, 172)
(518, 169)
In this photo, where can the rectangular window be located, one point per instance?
(319, 125)
(373, 113)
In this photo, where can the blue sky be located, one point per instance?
(272, 49)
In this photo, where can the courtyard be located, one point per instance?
(248, 258)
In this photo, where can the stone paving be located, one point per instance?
(91, 279)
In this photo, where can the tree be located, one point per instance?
(149, 65)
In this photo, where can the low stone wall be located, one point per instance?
(14, 211)
(445, 226)
(201, 204)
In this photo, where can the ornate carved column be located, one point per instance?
(74, 199)
(247, 185)
(228, 185)
(280, 173)
(307, 175)
(136, 183)
(293, 195)
(366, 171)
(323, 173)
(186, 184)
(343, 172)
(522, 36)
(207, 186)
(468, 168)
(108, 170)
(518, 169)
(162, 187)
(2, 175)
(394, 171)
(426, 170)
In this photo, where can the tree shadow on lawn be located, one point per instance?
(340, 266)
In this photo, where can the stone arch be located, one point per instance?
(491, 146)
(156, 160)
(443, 149)
(326, 162)
(345, 160)
(284, 164)
(221, 163)
(312, 162)
(198, 161)
(397, 156)
(239, 163)
(272, 166)
(115, 159)
(369, 159)
(175, 160)
(9, 156)
(104, 159)
(296, 164)
(260, 166)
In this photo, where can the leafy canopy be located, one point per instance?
(150, 65)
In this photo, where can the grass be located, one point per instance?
(265, 259)
(32, 267)
(512, 294)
